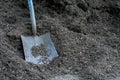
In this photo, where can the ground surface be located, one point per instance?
(86, 34)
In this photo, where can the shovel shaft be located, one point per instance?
(32, 15)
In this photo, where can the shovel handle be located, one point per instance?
(32, 16)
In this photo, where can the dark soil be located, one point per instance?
(39, 51)
(86, 34)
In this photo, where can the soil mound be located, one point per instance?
(86, 34)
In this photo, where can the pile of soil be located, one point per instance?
(86, 34)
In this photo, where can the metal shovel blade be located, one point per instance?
(30, 41)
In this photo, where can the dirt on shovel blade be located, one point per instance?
(39, 51)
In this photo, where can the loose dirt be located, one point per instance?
(39, 50)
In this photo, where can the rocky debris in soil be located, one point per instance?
(117, 78)
(66, 77)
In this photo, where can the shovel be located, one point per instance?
(38, 49)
